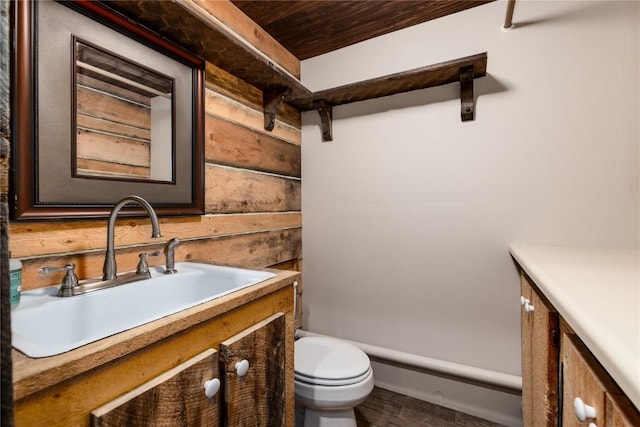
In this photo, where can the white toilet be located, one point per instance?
(331, 378)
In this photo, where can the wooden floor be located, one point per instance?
(384, 408)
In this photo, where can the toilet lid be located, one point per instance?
(324, 360)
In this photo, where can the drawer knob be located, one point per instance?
(242, 367)
(211, 388)
(583, 411)
(529, 308)
(523, 300)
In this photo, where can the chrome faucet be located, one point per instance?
(110, 269)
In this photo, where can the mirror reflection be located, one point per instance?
(123, 118)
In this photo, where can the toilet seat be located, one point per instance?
(332, 382)
(329, 362)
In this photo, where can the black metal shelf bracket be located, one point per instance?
(271, 100)
(467, 107)
(326, 119)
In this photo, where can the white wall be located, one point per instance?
(409, 212)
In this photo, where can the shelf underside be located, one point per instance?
(179, 23)
(419, 78)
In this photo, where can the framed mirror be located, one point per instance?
(102, 108)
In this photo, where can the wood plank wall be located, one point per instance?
(253, 208)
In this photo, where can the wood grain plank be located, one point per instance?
(231, 190)
(230, 86)
(253, 250)
(540, 355)
(582, 377)
(113, 148)
(95, 104)
(544, 362)
(229, 109)
(97, 124)
(419, 78)
(250, 250)
(294, 265)
(621, 412)
(112, 89)
(54, 238)
(174, 398)
(227, 13)
(311, 28)
(228, 143)
(257, 398)
(188, 25)
(89, 167)
(390, 409)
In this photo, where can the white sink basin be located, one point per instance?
(45, 325)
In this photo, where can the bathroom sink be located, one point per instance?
(45, 324)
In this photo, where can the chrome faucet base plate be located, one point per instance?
(90, 285)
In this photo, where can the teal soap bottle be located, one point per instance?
(15, 281)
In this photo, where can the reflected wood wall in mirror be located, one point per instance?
(103, 108)
(123, 117)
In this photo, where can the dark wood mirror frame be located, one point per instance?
(25, 202)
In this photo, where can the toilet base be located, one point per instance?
(337, 418)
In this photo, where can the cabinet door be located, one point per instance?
(540, 359)
(174, 398)
(621, 412)
(583, 379)
(255, 375)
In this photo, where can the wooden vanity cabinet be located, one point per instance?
(557, 368)
(540, 349)
(601, 402)
(252, 387)
(162, 383)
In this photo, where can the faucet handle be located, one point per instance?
(69, 282)
(143, 267)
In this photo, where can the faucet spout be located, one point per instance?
(110, 269)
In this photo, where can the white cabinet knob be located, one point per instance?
(592, 425)
(523, 300)
(242, 367)
(583, 411)
(211, 388)
(529, 308)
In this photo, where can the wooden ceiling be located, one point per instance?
(308, 28)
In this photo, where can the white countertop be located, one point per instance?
(597, 291)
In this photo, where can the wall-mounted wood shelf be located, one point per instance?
(184, 24)
(462, 70)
